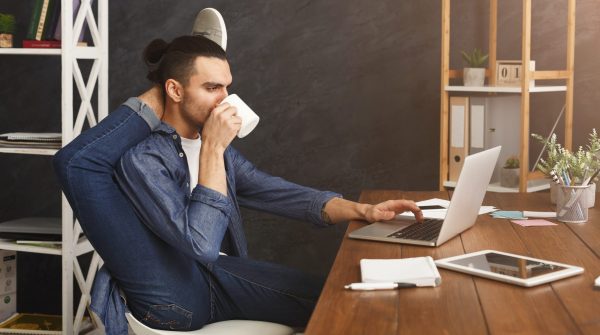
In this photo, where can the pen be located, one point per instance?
(591, 179)
(566, 179)
(377, 286)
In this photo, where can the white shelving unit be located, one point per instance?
(504, 89)
(532, 186)
(29, 151)
(72, 244)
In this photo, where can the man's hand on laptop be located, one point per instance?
(387, 210)
(339, 210)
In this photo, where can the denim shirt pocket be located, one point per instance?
(169, 317)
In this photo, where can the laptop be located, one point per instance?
(461, 214)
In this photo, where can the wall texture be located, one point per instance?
(347, 91)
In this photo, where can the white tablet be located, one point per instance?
(509, 268)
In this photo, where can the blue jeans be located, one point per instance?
(164, 288)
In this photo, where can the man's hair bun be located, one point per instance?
(153, 54)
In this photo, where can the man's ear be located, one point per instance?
(174, 90)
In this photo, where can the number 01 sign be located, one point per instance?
(509, 72)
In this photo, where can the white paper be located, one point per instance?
(417, 270)
(434, 202)
(439, 213)
(477, 126)
(487, 209)
(457, 127)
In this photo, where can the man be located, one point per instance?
(165, 260)
(159, 173)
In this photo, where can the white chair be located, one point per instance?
(231, 327)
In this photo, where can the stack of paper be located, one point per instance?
(516, 215)
(31, 140)
(534, 223)
(420, 271)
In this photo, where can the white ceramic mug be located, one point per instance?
(249, 118)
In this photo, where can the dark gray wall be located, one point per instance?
(347, 94)
(347, 91)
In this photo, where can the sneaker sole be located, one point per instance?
(213, 33)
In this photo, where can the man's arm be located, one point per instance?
(258, 190)
(219, 130)
(339, 210)
(194, 224)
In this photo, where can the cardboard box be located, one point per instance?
(8, 285)
(8, 264)
(8, 305)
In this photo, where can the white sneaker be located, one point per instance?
(210, 24)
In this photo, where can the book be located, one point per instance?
(58, 30)
(29, 323)
(35, 17)
(51, 20)
(28, 145)
(24, 323)
(41, 44)
(42, 244)
(420, 271)
(42, 20)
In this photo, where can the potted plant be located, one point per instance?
(577, 166)
(474, 74)
(509, 176)
(7, 29)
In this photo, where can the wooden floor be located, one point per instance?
(464, 304)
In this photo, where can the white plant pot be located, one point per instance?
(509, 177)
(591, 194)
(473, 76)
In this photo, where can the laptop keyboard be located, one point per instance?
(428, 230)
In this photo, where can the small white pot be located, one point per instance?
(591, 194)
(509, 177)
(473, 76)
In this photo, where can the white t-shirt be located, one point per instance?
(192, 153)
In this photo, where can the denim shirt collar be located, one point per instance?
(165, 128)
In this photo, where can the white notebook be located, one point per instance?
(418, 270)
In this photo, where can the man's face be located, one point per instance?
(206, 88)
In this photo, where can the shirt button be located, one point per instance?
(174, 137)
(181, 154)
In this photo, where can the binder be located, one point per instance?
(477, 126)
(459, 136)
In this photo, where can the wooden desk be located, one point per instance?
(464, 304)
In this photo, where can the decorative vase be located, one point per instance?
(6, 40)
(590, 196)
(509, 177)
(473, 76)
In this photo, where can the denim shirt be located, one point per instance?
(155, 176)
